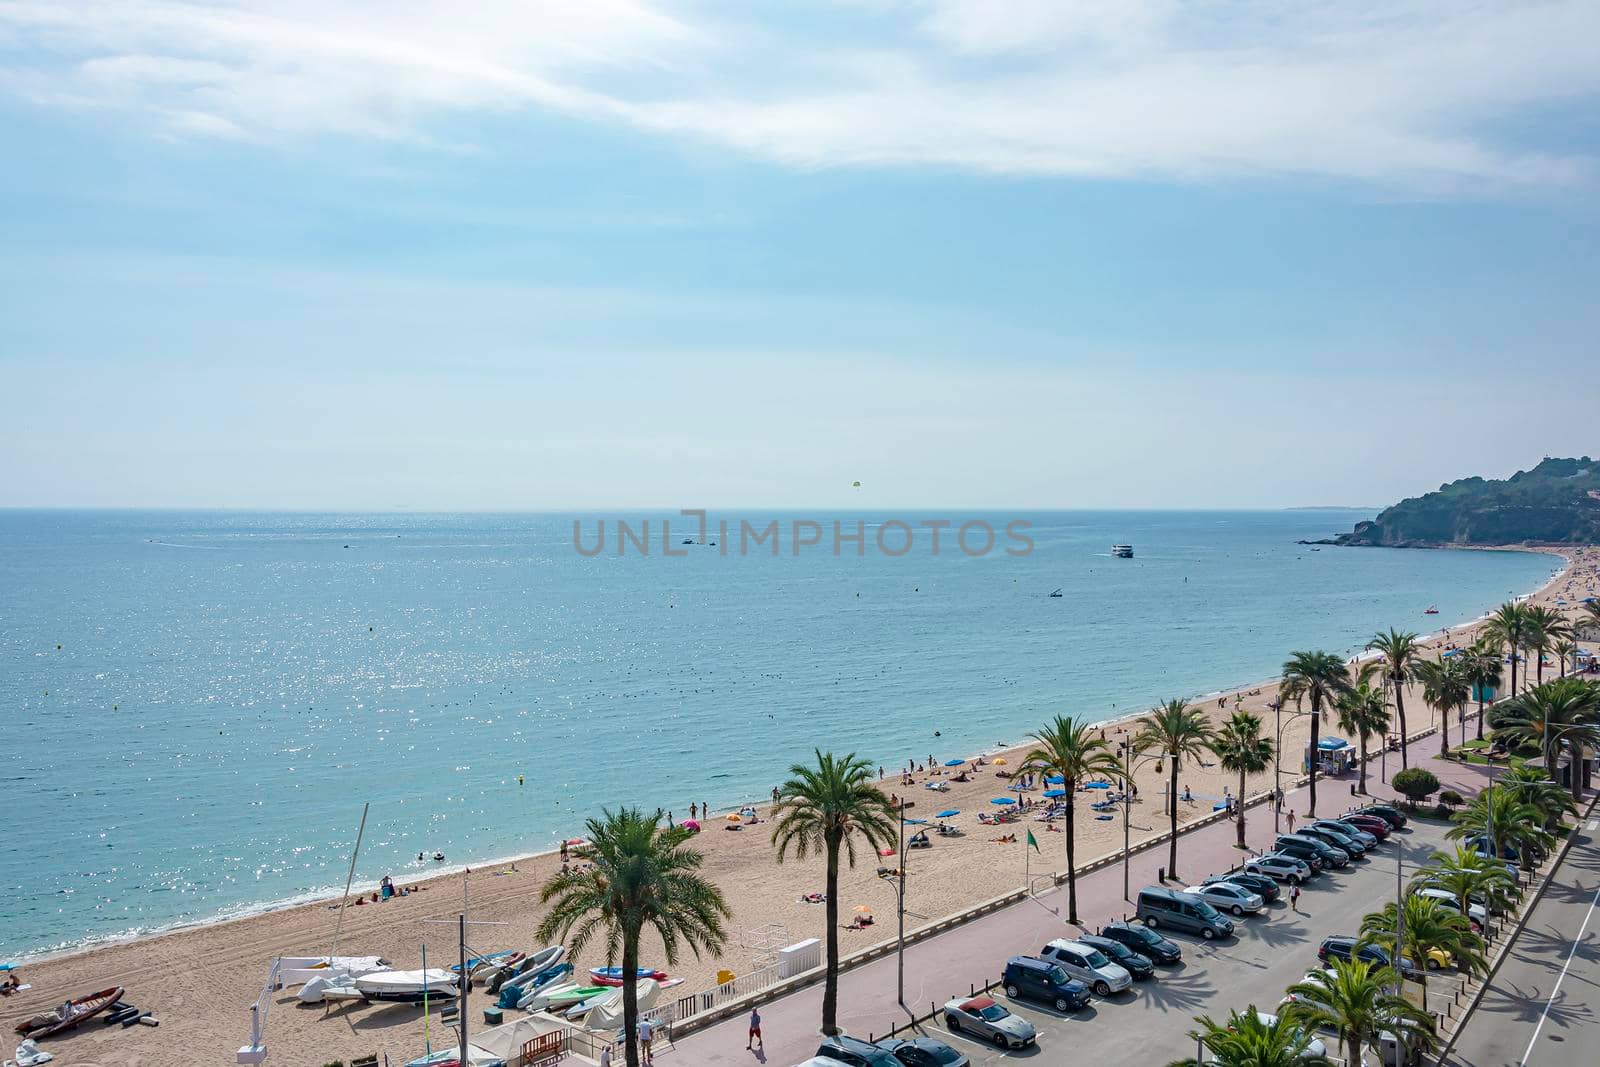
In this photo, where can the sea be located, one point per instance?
(195, 706)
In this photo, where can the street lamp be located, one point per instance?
(1277, 759)
(896, 877)
(1127, 804)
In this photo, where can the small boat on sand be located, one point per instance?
(613, 975)
(69, 1014)
(406, 987)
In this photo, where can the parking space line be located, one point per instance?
(1575, 943)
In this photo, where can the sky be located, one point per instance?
(520, 255)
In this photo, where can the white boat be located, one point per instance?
(296, 970)
(406, 987)
(608, 1015)
(328, 986)
(1122, 551)
(543, 959)
(584, 1007)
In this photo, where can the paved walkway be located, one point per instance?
(951, 963)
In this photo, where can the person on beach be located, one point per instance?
(755, 1031)
(692, 810)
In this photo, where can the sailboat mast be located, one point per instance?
(348, 881)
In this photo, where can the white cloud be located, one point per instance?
(1412, 93)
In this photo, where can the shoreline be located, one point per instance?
(436, 876)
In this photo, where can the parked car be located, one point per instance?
(1389, 1051)
(1332, 855)
(822, 1061)
(1227, 896)
(855, 1053)
(1372, 824)
(1027, 976)
(1283, 867)
(923, 1052)
(1303, 849)
(1256, 883)
(1368, 841)
(1315, 1048)
(1160, 906)
(1089, 965)
(983, 1018)
(1145, 941)
(1344, 948)
(1475, 912)
(1388, 813)
(1352, 848)
(1135, 963)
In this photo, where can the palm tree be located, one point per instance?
(1547, 628)
(1566, 652)
(1354, 999)
(1429, 926)
(1323, 678)
(642, 876)
(1240, 747)
(1445, 686)
(824, 809)
(1497, 816)
(1069, 749)
(1175, 731)
(1508, 628)
(1465, 874)
(1400, 651)
(1244, 1040)
(1533, 786)
(1565, 711)
(1364, 712)
(1483, 671)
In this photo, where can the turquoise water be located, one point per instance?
(196, 705)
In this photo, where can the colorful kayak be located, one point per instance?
(613, 975)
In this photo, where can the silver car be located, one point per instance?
(1283, 868)
(982, 1017)
(1225, 896)
(1088, 965)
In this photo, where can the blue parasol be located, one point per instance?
(1003, 800)
(916, 822)
(947, 813)
(1054, 793)
(1057, 780)
(954, 762)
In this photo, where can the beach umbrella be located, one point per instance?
(954, 762)
(1055, 793)
(690, 824)
(916, 822)
(1057, 780)
(861, 909)
(947, 813)
(1003, 800)
(999, 761)
(732, 816)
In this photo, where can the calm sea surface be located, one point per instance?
(194, 706)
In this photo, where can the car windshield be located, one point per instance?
(1058, 976)
(1117, 951)
(1206, 910)
(1145, 937)
(994, 1013)
(1095, 958)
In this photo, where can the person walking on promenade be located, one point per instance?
(1294, 898)
(1291, 820)
(755, 1031)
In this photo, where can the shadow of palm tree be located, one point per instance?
(1183, 993)
(1527, 1005)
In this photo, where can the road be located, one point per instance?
(1540, 1010)
(1144, 1025)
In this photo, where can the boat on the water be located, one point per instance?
(69, 1014)
(1122, 551)
(406, 987)
(1055, 592)
(613, 975)
(1433, 609)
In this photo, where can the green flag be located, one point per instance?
(1032, 841)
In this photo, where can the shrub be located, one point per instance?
(1449, 798)
(1415, 784)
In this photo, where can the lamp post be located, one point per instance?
(1277, 760)
(1127, 804)
(896, 877)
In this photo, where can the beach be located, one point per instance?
(200, 982)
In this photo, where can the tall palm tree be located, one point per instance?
(1483, 671)
(1354, 999)
(1400, 651)
(1533, 786)
(1364, 712)
(1177, 732)
(1508, 628)
(1445, 686)
(1499, 817)
(825, 809)
(1245, 1040)
(1566, 652)
(1067, 748)
(1547, 629)
(642, 875)
(1322, 677)
(1466, 875)
(1240, 747)
(1429, 925)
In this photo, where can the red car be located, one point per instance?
(1371, 824)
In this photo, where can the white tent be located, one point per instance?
(505, 1042)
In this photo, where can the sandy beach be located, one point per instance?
(201, 981)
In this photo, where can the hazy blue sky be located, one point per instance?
(515, 254)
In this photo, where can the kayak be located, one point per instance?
(613, 975)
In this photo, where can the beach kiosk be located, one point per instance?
(1334, 755)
